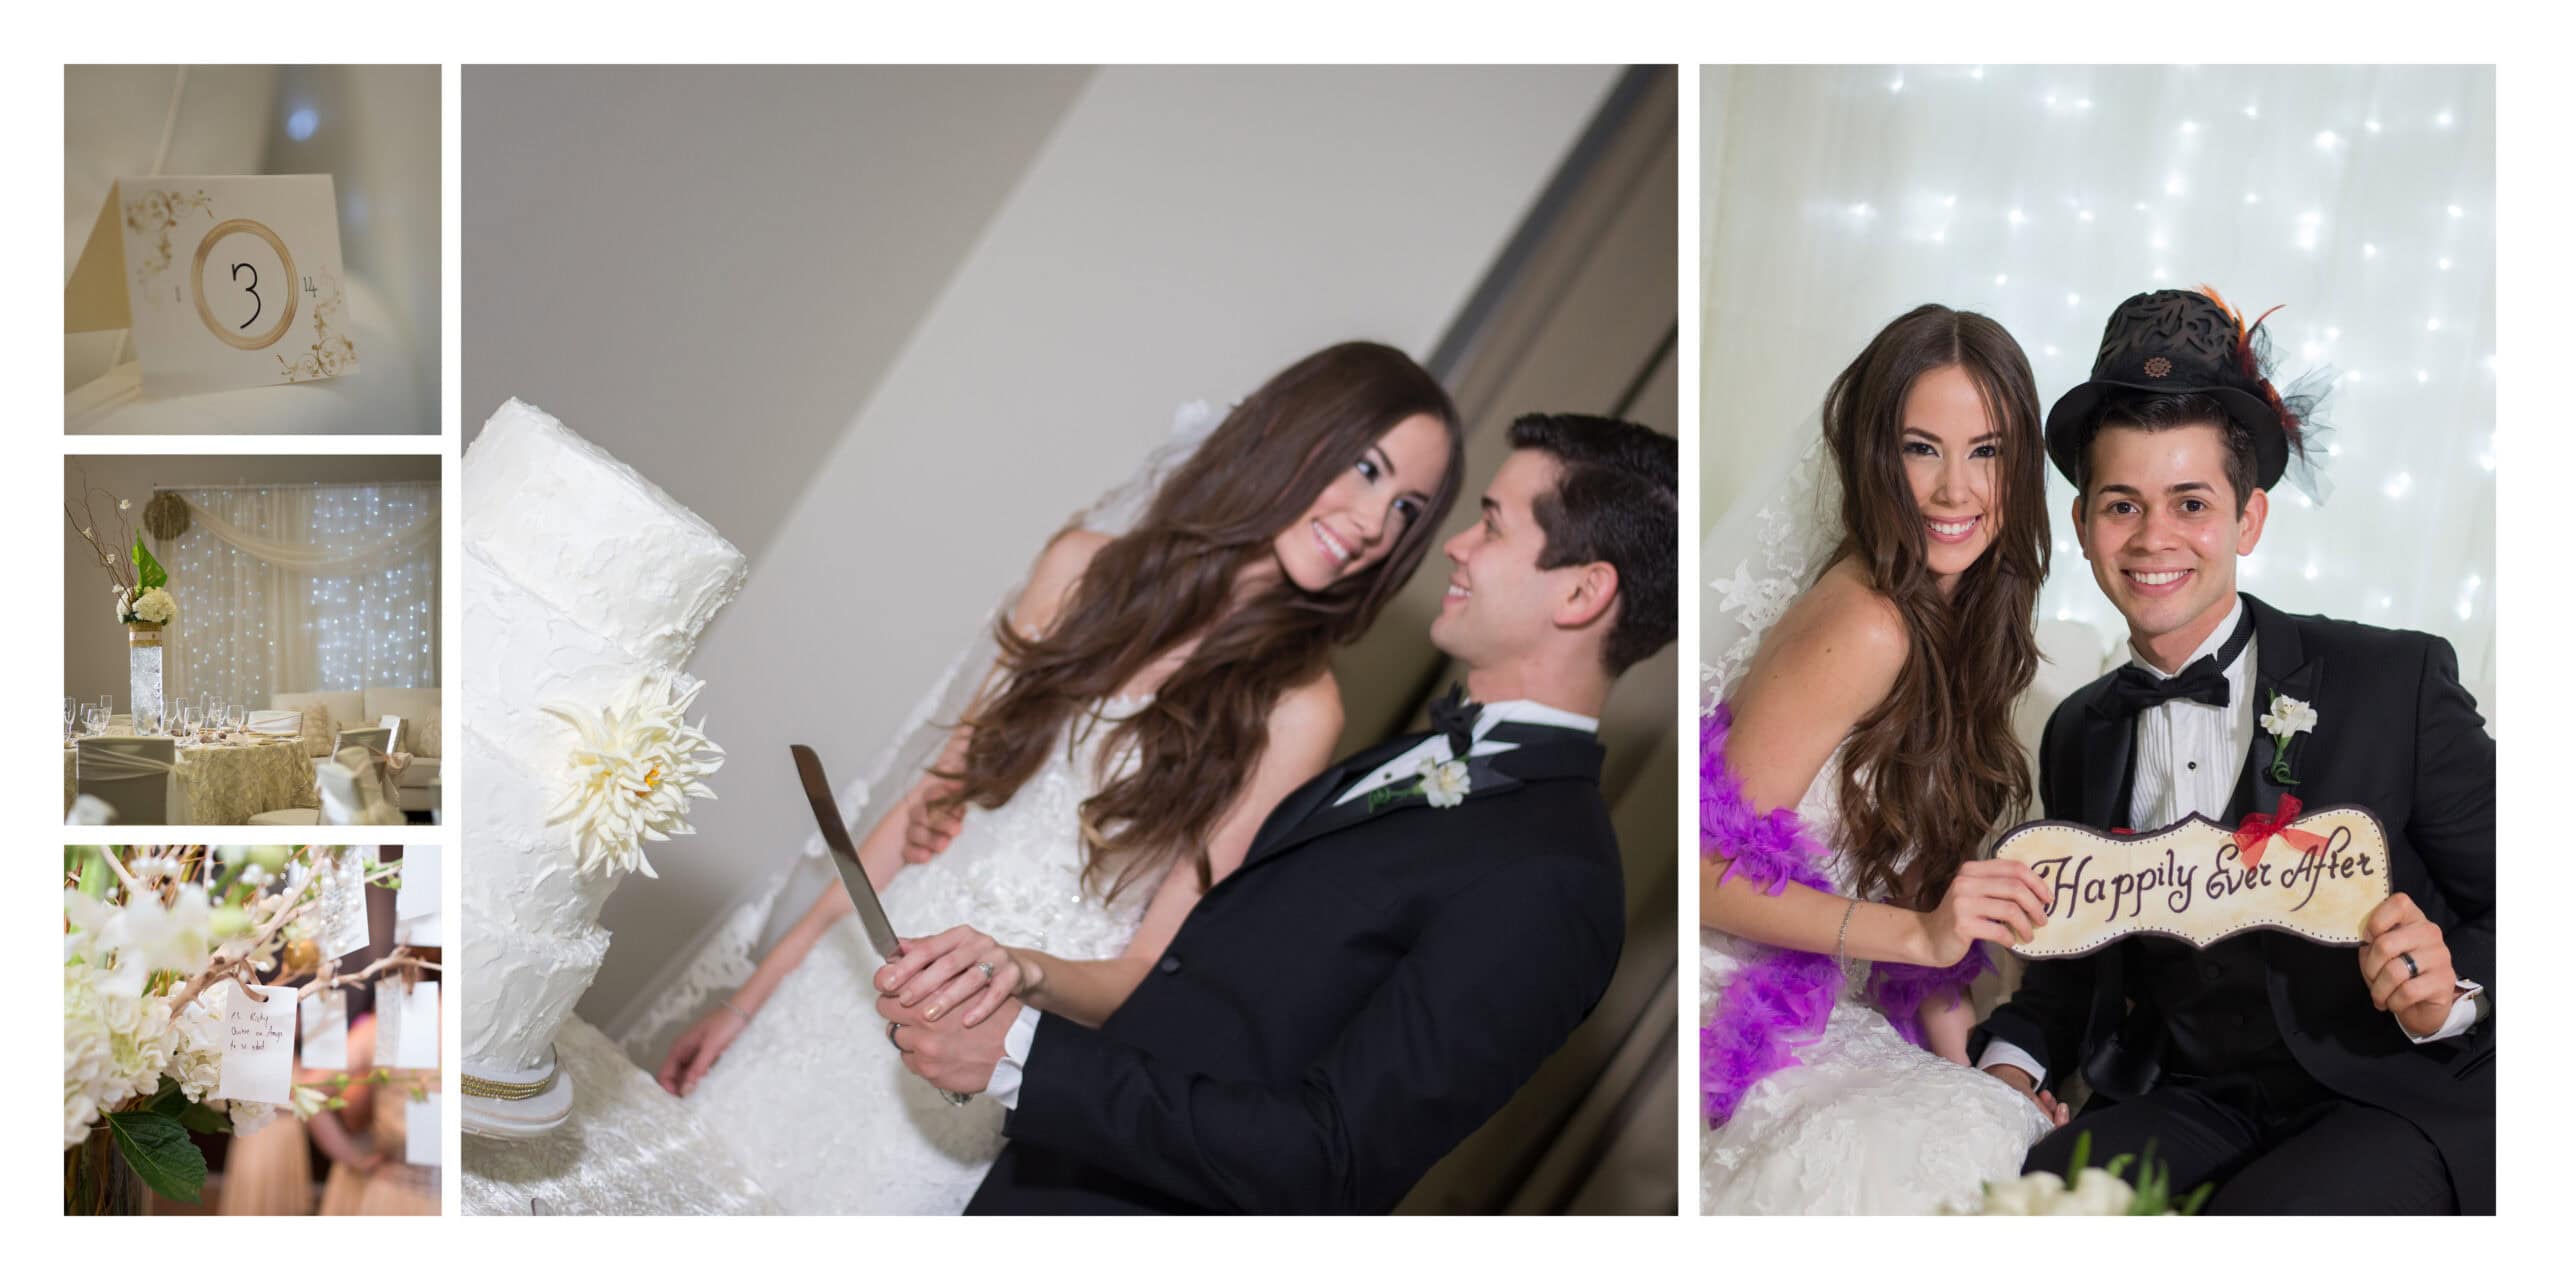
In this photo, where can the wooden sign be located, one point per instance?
(225, 281)
(2316, 877)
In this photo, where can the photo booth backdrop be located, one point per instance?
(248, 626)
(376, 130)
(2363, 199)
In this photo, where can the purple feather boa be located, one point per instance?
(1783, 1000)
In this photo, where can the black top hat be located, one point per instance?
(2171, 342)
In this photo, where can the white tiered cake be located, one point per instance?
(585, 588)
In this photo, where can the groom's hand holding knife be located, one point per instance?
(950, 1055)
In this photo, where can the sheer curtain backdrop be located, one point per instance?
(2363, 199)
(290, 588)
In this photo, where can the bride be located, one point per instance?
(1154, 696)
(1857, 759)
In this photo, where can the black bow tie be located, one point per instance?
(2135, 690)
(1453, 715)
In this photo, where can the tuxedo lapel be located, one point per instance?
(1569, 755)
(2281, 669)
(2106, 770)
(1309, 800)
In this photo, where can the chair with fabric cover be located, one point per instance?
(137, 777)
(281, 724)
(367, 746)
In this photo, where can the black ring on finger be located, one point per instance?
(2411, 962)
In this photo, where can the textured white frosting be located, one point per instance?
(580, 578)
(580, 529)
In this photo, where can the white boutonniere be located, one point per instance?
(2286, 717)
(1441, 783)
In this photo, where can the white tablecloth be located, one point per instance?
(224, 784)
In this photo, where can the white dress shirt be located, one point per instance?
(1005, 1085)
(2187, 757)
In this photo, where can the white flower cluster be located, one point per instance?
(156, 605)
(2286, 717)
(119, 1038)
(634, 772)
(2099, 1194)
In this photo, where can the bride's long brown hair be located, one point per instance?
(1173, 577)
(1938, 768)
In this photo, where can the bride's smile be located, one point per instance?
(1360, 517)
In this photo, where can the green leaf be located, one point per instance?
(147, 572)
(203, 1119)
(161, 1153)
(2079, 1161)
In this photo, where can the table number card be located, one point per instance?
(426, 1129)
(257, 1044)
(324, 1030)
(224, 281)
(421, 882)
(405, 1025)
(2317, 877)
(346, 920)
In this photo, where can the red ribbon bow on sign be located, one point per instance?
(2258, 828)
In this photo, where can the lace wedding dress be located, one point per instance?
(1863, 1121)
(812, 1096)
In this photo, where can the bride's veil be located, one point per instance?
(1762, 552)
(723, 956)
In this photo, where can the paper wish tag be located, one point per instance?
(421, 882)
(2315, 877)
(324, 1030)
(224, 281)
(257, 1044)
(404, 1025)
(346, 920)
(419, 931)
(426, 1129)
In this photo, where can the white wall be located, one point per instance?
(1183, 234)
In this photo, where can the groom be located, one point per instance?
(2296, 1077)
(1401, 947)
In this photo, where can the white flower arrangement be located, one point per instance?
(634, 772)
(153, 605)
(2085, 1190)
(149, 935)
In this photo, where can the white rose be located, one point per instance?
(2289, 716)
(1444, 782)
(2100, 1195)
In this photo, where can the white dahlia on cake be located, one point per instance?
(633, 776)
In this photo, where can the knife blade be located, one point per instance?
(857, 882)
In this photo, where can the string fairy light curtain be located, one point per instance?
(2363, 199)
(291, 588)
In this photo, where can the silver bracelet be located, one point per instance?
(1842, 946)
(743, 1015)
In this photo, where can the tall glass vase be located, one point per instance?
(142, 647)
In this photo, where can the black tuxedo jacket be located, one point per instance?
(1358, 996)
(2399, 735)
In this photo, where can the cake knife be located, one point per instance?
(857, 882)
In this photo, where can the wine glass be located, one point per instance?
(70, 716)
(239, 716)
(95, 717)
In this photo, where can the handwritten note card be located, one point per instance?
(426, 1129)
(405, 1027)
(2201, 882)
(421, 882)
(257, 1044)
(224, 281)
(324, 1030)
(346, 921)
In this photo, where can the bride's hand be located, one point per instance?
(699, 1047)
(937, 974)
(929, 826)
(1991, 900)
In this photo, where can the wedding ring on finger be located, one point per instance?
(988, 968)
(894, 1029)
(2411, 962)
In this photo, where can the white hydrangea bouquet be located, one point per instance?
(148, 932)
(2084, 1191)
(140, 582)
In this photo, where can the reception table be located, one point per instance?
(224, 783)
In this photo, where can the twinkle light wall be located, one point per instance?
(249, 629)
(2362, 199)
